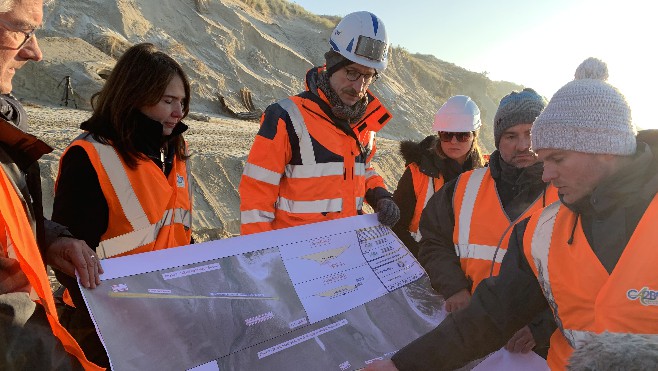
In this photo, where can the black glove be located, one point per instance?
(388, 212)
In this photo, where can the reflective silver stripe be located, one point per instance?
(466, 211)
(540, 245)
(577, 338)
(184, 217)
(132, 240)
(124, 191)
(315, 170)
(370, 172)
(318, 206)
(190, 193)
(305, 144)
(256, 216)
(359, 203)
(359, 169)
(430, 190)
(262, 174)
(371, 140)
(481, 252)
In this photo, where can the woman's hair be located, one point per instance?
(475, 153)
(139, 79)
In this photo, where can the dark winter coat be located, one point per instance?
(517, 190)
(502, 305)
(424, 155)
(26, 338)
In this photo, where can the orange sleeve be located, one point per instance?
(260, 181)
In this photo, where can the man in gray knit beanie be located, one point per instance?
(517, 108)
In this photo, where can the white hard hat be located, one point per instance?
(458, 114)
(361, 38)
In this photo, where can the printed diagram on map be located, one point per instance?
(333, 295)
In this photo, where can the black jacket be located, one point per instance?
(502, 305)
(80, 205)
(26, 338)
(19, 153)
(517, 189)
(429, 163)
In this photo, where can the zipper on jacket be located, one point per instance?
(162, 158)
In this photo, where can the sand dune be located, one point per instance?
(224, 46)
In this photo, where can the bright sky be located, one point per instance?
(535, 43)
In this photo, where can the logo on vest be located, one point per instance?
(180, 181)
(644, 295)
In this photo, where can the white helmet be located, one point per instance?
(457, 114)
(361, 38)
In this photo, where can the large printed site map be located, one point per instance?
(328, 296)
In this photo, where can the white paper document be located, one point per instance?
(328, 296)
(504, 360)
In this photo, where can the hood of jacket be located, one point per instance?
(148, 133)
(22, 147)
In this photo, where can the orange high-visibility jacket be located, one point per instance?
(424, 187)
(584, 298)
(482, 228)
(303, 169)
(147, 211)
(15, 223)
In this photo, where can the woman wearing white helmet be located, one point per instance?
(436, 160)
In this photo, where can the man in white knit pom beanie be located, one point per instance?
(588, 121)
(590, 258)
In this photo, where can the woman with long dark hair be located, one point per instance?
(123, 184)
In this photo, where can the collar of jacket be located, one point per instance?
(149, 138)
(148, 133)
(500, 170)
(636, 182)
(23, 148)
(12, 110)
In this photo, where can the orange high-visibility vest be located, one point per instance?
(584, 298)
(309, 171)
(147, 211)
(424, 187)
(19, 231)
(482, 228)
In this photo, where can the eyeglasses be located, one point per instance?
(354, 75)
(446, 136)
(28, 35)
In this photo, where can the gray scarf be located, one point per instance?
(352, 113)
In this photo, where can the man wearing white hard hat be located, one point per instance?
(436, 160)
(311, 159)
(466, 225)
